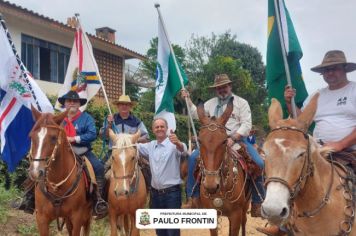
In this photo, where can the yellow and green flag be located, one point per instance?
(275, 70)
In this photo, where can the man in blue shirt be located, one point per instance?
(164, 155)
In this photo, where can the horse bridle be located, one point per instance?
(212, 127)
(135, 171)
(307, 170)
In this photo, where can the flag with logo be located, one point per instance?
(18, 91)
(275, 70)
(167, 79)
(82, 73)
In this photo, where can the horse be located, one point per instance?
(223, 180)
(127, 188)
(307, 193)
(60, 190)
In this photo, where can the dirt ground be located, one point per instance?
(27, 223)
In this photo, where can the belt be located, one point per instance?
(166, 190)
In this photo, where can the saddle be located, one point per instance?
(346, 158)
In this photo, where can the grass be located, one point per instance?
(5, 197)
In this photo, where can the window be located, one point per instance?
(46, 61)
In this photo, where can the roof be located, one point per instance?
(11, 8)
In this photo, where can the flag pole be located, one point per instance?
(178, 70)
(284, 51)
(95, 64)
(22, 66)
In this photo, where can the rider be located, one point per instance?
(238, 128)
(335, 118)
(80, 129)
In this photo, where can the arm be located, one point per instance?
(144, 133)
(192, 107)
(87, 132)
(289, 93)
(344, 143)
(179, 145)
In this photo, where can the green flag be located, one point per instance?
(168, 82)
(275, 70)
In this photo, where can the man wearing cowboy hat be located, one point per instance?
(238, 127)
(81, 132)
(124, 121)
(335, 117)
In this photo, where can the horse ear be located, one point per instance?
(226, 115)
(307, 116)
(201, 112)
(60, 117)
(136, 136)
(35, 113)
(112, 135)
(275, 113)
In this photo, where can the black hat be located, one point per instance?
(72, 95)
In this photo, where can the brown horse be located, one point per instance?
(304, 191)
(60, 188)
(223, 179)
(127, 190)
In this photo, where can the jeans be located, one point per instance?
(253, 153)
(169, 200)
(192, 161)
(98, 166)
(258, 197)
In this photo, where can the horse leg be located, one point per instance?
(113, 222)
(235, 220)
(69, 226)
(134, 230)
(86, 227)
(42, 224)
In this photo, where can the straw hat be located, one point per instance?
(334, 57)
(124, 99)
(73, 96)
(220, 80)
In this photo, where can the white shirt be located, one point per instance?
(335, 116)
(240, 120)
(164, 162)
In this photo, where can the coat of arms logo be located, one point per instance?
(145, 218)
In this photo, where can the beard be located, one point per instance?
(223, 96)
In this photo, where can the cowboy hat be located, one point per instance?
(334, 57)
(220, 80)
(124, 99)
(73, 96)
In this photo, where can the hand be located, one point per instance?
(184, 94)
(71, 139)
(173, 138)
(289, 93)
(335, 146)
(230, 142)
(110, 118)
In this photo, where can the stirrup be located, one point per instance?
(101, 207)
(17, 203)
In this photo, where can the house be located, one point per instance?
(44, 46)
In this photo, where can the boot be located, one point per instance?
(256, 210)
(272, 230)
(100, 206)
(26, 203)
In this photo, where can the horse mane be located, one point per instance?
(123, 140)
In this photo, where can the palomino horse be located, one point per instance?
(304, 191)
(60, 189)
(127, 190)
(223, 179)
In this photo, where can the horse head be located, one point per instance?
(124, 165)
(213, 144)
(290, 154)
(46, 135)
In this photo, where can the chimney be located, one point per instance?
(106, 33)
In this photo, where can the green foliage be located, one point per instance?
(5, 196)
(25, 229)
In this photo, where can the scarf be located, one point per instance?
(69, 127)
(219, 108)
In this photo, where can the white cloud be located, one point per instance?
(321, 25)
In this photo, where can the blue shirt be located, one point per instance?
(164, 162)
(86, 131)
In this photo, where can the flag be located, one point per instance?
(82, 73)
(167, 79)
(275, 70)
(18, 91)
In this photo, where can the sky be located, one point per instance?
(321, 25)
